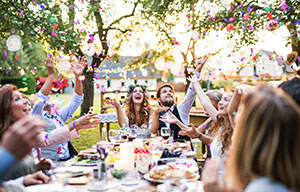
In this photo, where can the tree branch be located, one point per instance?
(123, 17)
(122, 31)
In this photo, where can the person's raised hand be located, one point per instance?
(200, 63)
(193, 79)
(243, 89)
(22, 136)
(50, 64)
(79, 67)
(190, 131)
(87, 121)
(35, 179)
(44, 164)
(171, 119)
(161, 109)
(113, 102)
(209, 175)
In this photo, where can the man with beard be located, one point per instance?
(165, 96)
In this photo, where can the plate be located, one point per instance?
(190, 168)
(84, 163)
(181, 145)
(44, 188)
(148, 178)
(78, 180)
(79, 171)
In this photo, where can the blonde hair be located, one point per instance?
(267, 140)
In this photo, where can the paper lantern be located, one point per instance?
(14, 43)
(64, 66)
(160, 64)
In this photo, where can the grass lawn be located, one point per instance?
(92, 136)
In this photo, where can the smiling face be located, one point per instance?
(223, 104)
(166, 97)
(19, 106)
(137, 95)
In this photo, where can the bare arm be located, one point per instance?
(203, 126)
(120, 113)
(46, 88)
(235, 101)
(155, 118)
(78, 69)
(205, 101)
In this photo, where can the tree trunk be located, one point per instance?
(88, 90)
(295, 41)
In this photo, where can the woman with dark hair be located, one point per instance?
(137, 111)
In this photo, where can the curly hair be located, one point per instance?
(226, 131)
(6, 118)
(144, 112)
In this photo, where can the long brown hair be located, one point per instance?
(6, 118)
(267, 141)
(144, 112)
(226, 131)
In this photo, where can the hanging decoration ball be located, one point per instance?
(64, 66)
(160, 64)
(272, 26)
(14, 43)
(89, 49)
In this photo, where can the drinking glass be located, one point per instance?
(156, 150)
(124, 134)
(61, 175)
(114, 136)
(132, 133)
(165, 133)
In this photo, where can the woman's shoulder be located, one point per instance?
(264, 184)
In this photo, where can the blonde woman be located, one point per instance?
(265, 152)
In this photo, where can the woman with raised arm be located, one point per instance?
(266, 145)
(14, 107)
(137, 111)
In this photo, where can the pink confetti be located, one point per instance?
(12, 31)
(71, 7)
(251, 27)
(16, 57)
(21, 12)
(5, 53)
(54, 27)
(184, 101)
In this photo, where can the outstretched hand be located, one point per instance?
(189, 131)
(113, 102)
(79, 67)
(171, 119)
(50, 64)
(200, 63)
(193, 79)
(87, 121)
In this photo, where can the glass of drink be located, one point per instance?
(132, 133)
(124, 134)
(61, 175)
(165, 133)
(114, 136)
(156, 150)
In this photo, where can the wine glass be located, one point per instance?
(132, 133)
(114, 136)
(124, 134)
(156, 150)
(165, 133)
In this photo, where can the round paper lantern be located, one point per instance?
(14, 43)
(169, 65)
(64, 66)
(160, 64)
(176, 69)
(89, 49)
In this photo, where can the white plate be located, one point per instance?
(79, 171)
(44, 188)
(147, 177)
(181, 145)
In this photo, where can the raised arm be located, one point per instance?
(205, 101)
(155, 118)
(235, 101)
(78, 69)
(122, 119)
(46, 88)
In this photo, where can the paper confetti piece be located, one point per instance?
(21, 13)
(8, 71)
(42, 6)
(5, 53)
(16, 57)
(54, 27)
(270, 16)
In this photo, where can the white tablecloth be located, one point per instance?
(108, 118)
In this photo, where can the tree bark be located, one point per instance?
(88, 90)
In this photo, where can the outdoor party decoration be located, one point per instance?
(14, 43)
(89, 49)
(160, 64)
(64, 66)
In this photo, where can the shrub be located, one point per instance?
(22, 83)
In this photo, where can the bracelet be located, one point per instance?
(200, 136)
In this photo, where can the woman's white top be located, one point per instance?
(216, 152)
